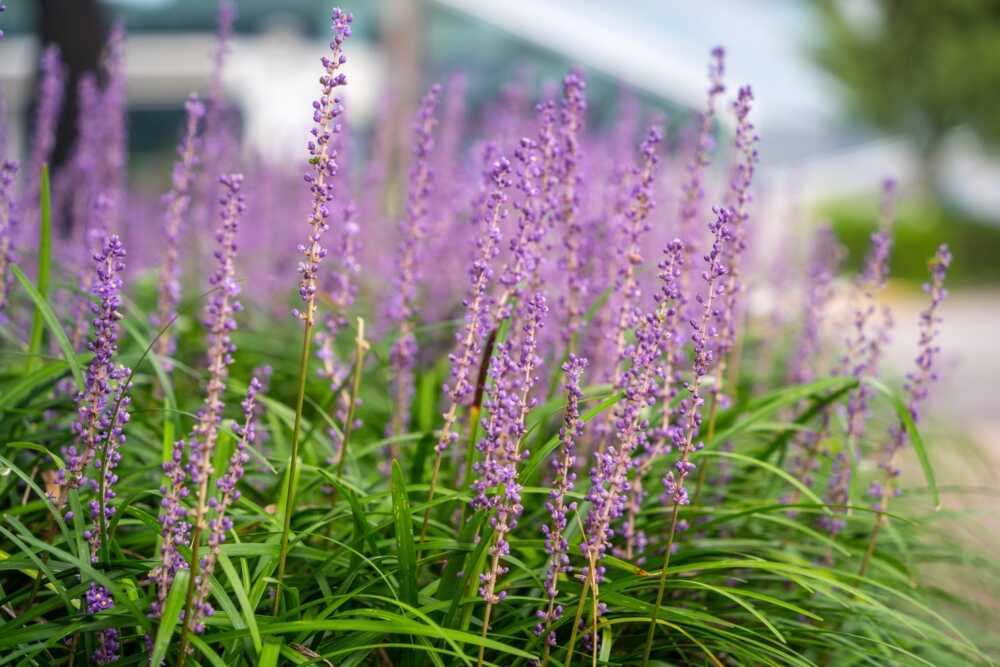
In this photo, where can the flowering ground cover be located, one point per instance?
(509, 404)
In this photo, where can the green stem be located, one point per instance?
(293, 461)
(486, 629)
(713, 410)
(470, 455)
(189, 598)
(662, 588)
(430, 496)
(576, 622)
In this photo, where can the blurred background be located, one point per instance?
(847, 92)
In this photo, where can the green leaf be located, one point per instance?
(35, 381)
(171, 616)
(403, 524)
(44, 269)
(805, 490)
(43, 312)
(241, 596)
(913, 434)
(269, 654)
(449, 578)
(35, 447)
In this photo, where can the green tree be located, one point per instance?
(917, 67)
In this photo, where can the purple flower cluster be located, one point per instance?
(50, 98)
(220, 524)
(98, 599)
(497, 489)
(478, 304)
(326, 111)
(572, 115)
(176, 203)
(636, 225)
(824, 258)
(740, 197)
(8, 226)
(95, 421)
(220, 322)
(413, 229)
(102, 413)
(863, 353)
(919, 380)
(669, 302)
(564, 478)
(174, 527)
(523, 267)
(704, 337)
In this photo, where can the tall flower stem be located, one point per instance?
(576, 619)
(323, 168)
(662, 588)
(293, 461)
(486, 630)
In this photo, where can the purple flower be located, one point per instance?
(497, 489)
(558, 506)
(704, 337)
(176, 203)
(635, 214)
(98, 599)
(523, 263)
(8, 226)
(107, 462)
(94, 424)
(824, 259)
(572, 115)
(863, 352)
(918, 381)
(174, 527)
(220, 524)
(50, 98)
(478, 304)
(609, 483)
(669, 303)
(413, 229)
(739, 196)
(95, 235)
(693, 191)
(220, 322)
(326, 111)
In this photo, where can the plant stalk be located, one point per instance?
(662, 587)
(293, 460)
(576, 622)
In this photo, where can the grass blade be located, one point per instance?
(44, 313)
(44, 268)
(170, 618)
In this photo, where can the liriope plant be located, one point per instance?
(525, 463)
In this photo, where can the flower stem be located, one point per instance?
(486, 629)
(189, 596)
(713, 411)
(293, 461)
(662, 588)
(576, 622)
(873, 540)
